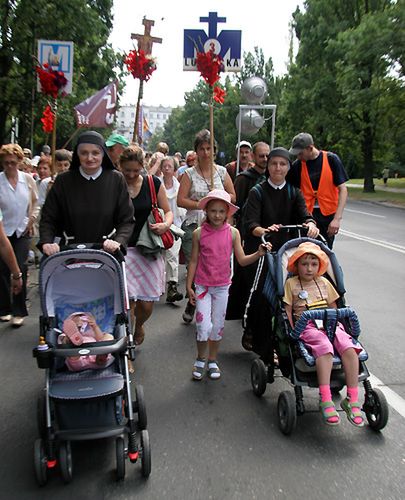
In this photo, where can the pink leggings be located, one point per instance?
(320, 345)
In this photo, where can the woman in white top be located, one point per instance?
(18, 203)
(169, 168)
(195, 183)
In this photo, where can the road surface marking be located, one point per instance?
(381, 243)
(393, 398)
(365, 213)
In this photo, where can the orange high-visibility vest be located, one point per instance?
(327, 193)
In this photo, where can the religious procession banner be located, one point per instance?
(99, 109)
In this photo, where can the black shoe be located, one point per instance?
(173, 295)
(188, 314)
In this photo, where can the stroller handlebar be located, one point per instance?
(300, 228)
(287, 228)
(118, 254)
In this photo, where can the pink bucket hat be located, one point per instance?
(220, 195)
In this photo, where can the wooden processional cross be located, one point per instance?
(145, 43)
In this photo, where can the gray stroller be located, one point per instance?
(92, 403)
(295, 360)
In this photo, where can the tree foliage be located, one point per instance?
(343, 83)
(86, 23)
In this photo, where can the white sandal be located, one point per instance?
(214, 372)
(198, 369)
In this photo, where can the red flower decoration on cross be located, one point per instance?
(140, 65)
(47, 120)
(219, 94)
(51, 81)
(209, 65)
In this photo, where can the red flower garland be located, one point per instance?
(219, 94)
(47, 120)
(209, 65)
(51, 81)
(140, 65)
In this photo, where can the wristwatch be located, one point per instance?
(16, 276)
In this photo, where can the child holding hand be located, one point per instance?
(210, 270)
(80, 328)
(308, 289)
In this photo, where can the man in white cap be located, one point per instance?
(245, 157)
(322, 178)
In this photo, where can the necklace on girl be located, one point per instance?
(318, 304)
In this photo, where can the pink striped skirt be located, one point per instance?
(145, 276)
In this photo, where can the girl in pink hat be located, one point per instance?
(210, 270)
(308, 289)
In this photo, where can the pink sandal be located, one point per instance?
(72, 332)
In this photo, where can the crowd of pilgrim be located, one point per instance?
(102, 192)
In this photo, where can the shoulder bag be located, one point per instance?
(167, 237)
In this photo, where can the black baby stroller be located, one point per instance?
(295, 361)
(88, 404)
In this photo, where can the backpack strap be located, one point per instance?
(257, 188)
(291, 190)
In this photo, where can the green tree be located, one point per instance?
(342, 79)
(87, 24)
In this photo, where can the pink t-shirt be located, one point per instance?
(214, 260)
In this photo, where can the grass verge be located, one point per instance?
(392, 183)
(377, 197)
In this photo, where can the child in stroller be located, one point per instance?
(78, 402)
(80, 328)
(307, 290)
(296, 362)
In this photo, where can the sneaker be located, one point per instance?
(173, 295)
(5, 318)
(188, 314)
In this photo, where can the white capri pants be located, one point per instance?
(172, 262)
(210, 311)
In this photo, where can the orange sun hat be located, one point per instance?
(313, 249)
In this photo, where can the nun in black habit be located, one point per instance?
(89, 203)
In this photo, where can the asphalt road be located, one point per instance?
(216, 440)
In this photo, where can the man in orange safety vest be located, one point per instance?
(322, 178)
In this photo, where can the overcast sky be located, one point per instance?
(263, 24)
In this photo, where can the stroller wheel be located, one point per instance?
(140, 408)
(145, 454)
(120, 456)
(65, 461)
(376, 409)
(258, 377)
(40, 462)
(287, 412)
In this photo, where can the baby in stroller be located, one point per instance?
(80, 328)
(307, 290)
